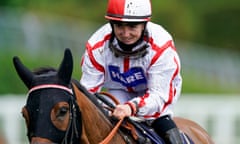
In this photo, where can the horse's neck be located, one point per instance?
(96, 125)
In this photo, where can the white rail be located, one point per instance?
(218, 114)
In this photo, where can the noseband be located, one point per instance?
(48, 130)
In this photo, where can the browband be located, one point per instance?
(50, 86)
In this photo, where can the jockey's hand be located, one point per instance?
(121, 111)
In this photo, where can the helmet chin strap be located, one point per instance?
(129, 47)
(140, 51)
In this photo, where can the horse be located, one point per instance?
(59, 109)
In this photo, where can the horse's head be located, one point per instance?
(51, 112)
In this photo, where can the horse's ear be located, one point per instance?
(66, 67)
(23, 72)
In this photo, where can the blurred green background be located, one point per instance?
(206, 34)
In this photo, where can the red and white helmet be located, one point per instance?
(129, 10)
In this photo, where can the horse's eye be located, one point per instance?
(62, 111)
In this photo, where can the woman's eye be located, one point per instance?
(128, 25)
(118, 25)
(132, 25)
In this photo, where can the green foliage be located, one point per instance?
(9, 80)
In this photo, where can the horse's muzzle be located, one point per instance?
(37, 140)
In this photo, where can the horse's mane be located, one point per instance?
(90, 96)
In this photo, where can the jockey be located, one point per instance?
(135, 60)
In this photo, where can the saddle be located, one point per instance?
(141, 131)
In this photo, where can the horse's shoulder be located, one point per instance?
(184, 121)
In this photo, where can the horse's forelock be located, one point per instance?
(44, 70)
(47, 75)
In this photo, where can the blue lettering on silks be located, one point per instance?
(133, 77)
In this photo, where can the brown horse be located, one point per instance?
(60, 110)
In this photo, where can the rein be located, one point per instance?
(130, 124)
(112, 133)
(114, 130)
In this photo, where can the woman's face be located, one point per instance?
(128, 33)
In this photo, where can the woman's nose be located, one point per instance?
(125, 31)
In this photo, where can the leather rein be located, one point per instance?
(116, 127)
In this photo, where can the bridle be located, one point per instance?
(73, 131)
